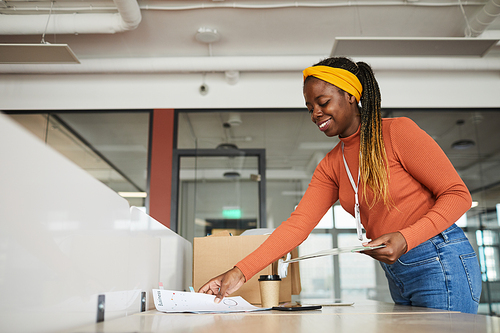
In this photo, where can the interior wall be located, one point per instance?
(160, 166)
(410, 88)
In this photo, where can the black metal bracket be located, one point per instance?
(101, 305)
(143, 301)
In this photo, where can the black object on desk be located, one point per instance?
(297, 308)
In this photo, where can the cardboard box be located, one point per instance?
(216, 254)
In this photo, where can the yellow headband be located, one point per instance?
(339, 77)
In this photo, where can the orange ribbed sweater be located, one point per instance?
(428, 194)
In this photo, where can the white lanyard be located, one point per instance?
(355, 187)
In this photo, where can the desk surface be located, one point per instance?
(366, 317)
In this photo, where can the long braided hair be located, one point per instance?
(373, 159)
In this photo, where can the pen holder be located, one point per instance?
(269, 290)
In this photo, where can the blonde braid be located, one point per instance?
(373, 161)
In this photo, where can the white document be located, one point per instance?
(283, 264)
(332, 252)
(179, 301)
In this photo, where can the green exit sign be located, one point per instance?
(232, 213)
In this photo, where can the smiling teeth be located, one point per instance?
(322, 125)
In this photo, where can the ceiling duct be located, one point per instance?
(127, 18)
(247, 64)
(483, 18)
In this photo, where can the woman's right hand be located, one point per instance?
(224, 284)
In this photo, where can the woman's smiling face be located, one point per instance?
(334, 111)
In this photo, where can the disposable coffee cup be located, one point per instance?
(269, 290)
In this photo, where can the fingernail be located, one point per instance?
(217, 300)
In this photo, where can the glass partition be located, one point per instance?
(111, 146)
(294, 147)
(471, 140)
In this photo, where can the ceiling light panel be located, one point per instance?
(411, 47)
(37, 54)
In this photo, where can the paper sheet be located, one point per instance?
(283, 264)
(179, 301)
(332, 252)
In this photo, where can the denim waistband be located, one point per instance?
(453, 234)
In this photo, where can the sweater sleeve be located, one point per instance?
(425, 161)
(320, 195)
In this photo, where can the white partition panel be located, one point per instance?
(65, 239)
(175, 254)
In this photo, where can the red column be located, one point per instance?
(160, 177)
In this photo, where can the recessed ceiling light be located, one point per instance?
(207, 35)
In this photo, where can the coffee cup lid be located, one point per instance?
(274, 277)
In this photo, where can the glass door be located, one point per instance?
(215, 190)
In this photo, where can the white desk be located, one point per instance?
(66, 239)
(365, 317)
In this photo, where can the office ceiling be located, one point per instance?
(166, 31)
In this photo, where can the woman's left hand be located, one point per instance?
(395, 247)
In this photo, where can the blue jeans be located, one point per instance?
(441, 273)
